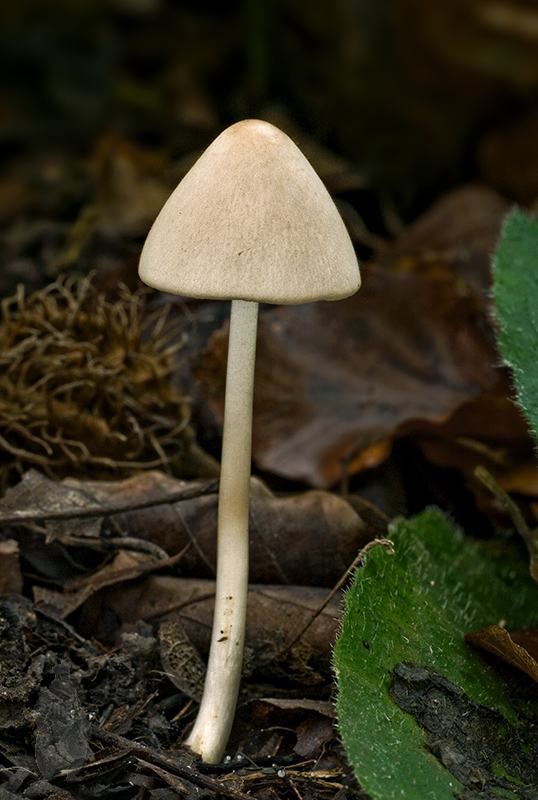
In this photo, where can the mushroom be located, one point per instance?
(250, 222)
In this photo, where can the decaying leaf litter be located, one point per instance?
(375, 409)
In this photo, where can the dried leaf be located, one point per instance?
(336, 382)
(125, 566)
(274, 615)
(520, 649)
(181, 660)
(62, 728)
(313, 735)
(312, 721)
(307, 538)
(460, 231)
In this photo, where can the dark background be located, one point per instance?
(417, 96)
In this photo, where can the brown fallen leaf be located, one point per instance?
(62, 727)
(528, 639)
(459, 231)
(266, 720)
(336, 382)
(181, 660)
(520, 649)
(275, 614)
(313, 735)
(124, 566)
(307, 538)
(487, 432)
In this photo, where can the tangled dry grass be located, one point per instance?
(85, 385)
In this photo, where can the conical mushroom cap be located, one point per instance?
(251, 221)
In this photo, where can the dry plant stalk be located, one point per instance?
(85, 385)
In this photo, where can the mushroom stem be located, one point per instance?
(210, 733)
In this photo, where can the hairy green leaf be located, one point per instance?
(415, 608)
(515, 290)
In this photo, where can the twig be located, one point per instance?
(513, 510)
(357, 561)
(173, 765)
(41, 612)
(106, 510)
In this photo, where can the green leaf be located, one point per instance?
(415, 607)
(515, 291)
